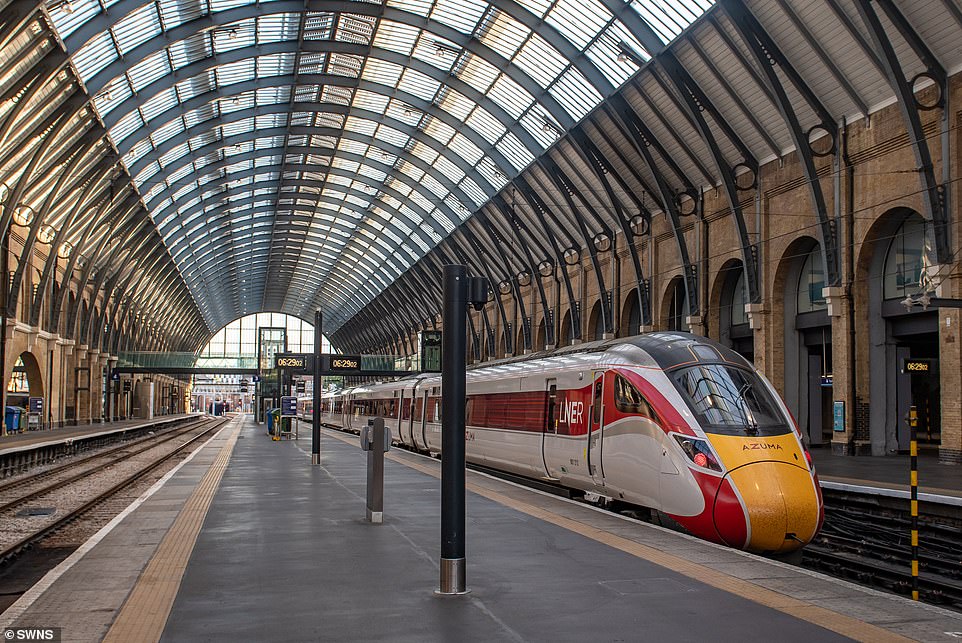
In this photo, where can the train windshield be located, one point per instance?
(726, 399)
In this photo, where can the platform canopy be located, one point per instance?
(302, 154)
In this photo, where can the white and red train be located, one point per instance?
(669, 421)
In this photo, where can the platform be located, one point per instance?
(284, 554)
(37, 439)
(938, 482)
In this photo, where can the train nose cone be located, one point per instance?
(782, 506)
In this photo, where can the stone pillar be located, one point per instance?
(96, 360)
(758, 319)
(950, 374)
(843, 370)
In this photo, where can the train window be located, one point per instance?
(596, 405)
(552, 401)
(406, 409)
(728, 398)
(418, 409)
(629, 399)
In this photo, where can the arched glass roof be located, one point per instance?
(295, 155)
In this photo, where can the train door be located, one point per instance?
(549, 433)
(420, 419)
(596, 430)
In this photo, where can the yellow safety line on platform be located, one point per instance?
(844, 625)
(144, 614)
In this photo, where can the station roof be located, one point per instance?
(286, 155)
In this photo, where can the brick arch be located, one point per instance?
(596, 326)
(715, 302)
(630, 316)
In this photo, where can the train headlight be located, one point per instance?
(698, 452)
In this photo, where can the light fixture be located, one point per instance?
(639, 225)
(232, 34)
(46, 234)
(626, 54)
(68, 7)
(64, 250)
(545, 268)
(504, 287)
(572, 256)
(524, 278)
(602, 242)
(549, 127)
(23, 215)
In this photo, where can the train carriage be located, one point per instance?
(669, 421)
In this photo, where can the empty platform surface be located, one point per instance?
(889, 472)
(285, 554)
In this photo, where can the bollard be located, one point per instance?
(913, 421)
(376, 441)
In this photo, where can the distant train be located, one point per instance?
(669, 421)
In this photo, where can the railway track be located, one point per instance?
(87, 490)
(86, 465)
(868, 541)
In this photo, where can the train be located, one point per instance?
(671, 422)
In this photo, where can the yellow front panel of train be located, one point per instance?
(736, 451)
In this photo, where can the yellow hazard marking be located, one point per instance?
(823, 617)
(144, 614)
(914, 478)
(915, 507)
(915, 568)
(913, 448)
(915, 538)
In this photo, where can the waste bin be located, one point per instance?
(273, 421)
(12, 418)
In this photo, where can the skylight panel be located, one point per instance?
(354, 28)
(371, 101)
(380, 71)
(417, 7)
(439, 130)
(416, 83)
(222, 5)
(604, 54)
(69, 19)
(312, 63)
(540, 60)
(575, 92)
(360, 125)
(391, 135)
(515, 151)
(275, 65)
(513, 98)
(159, 104)
(176, 12)
(397, 37)
(578, 20)
(136, 28)
(424, 152)
(164, 132)
(478, 73)
(345, 65)
(537, 7)
(456, 104)
(449, 169)
(115, 93)
(237, 72)
(277, 27)
(460, 14)
(465, 149)
(318, 25)
(336, 95)
(474, 191)
(434, 186)
(503, 34)
(436, 51)
(486, 125)
(94, 56)
(534, 122)
(492, 173)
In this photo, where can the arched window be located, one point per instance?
(811, 281)
(903, 261)
(678, 311)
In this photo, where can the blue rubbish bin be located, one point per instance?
(273, 419)
(12, 418)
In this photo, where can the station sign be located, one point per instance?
(126, 386)
(431, 351)
(36, 405)
(918, 366)
(115, 376)
(288, 406)
(295, 362)
(341, 364)
(255, 378)
(300, 386)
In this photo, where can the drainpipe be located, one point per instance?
(850, 281)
